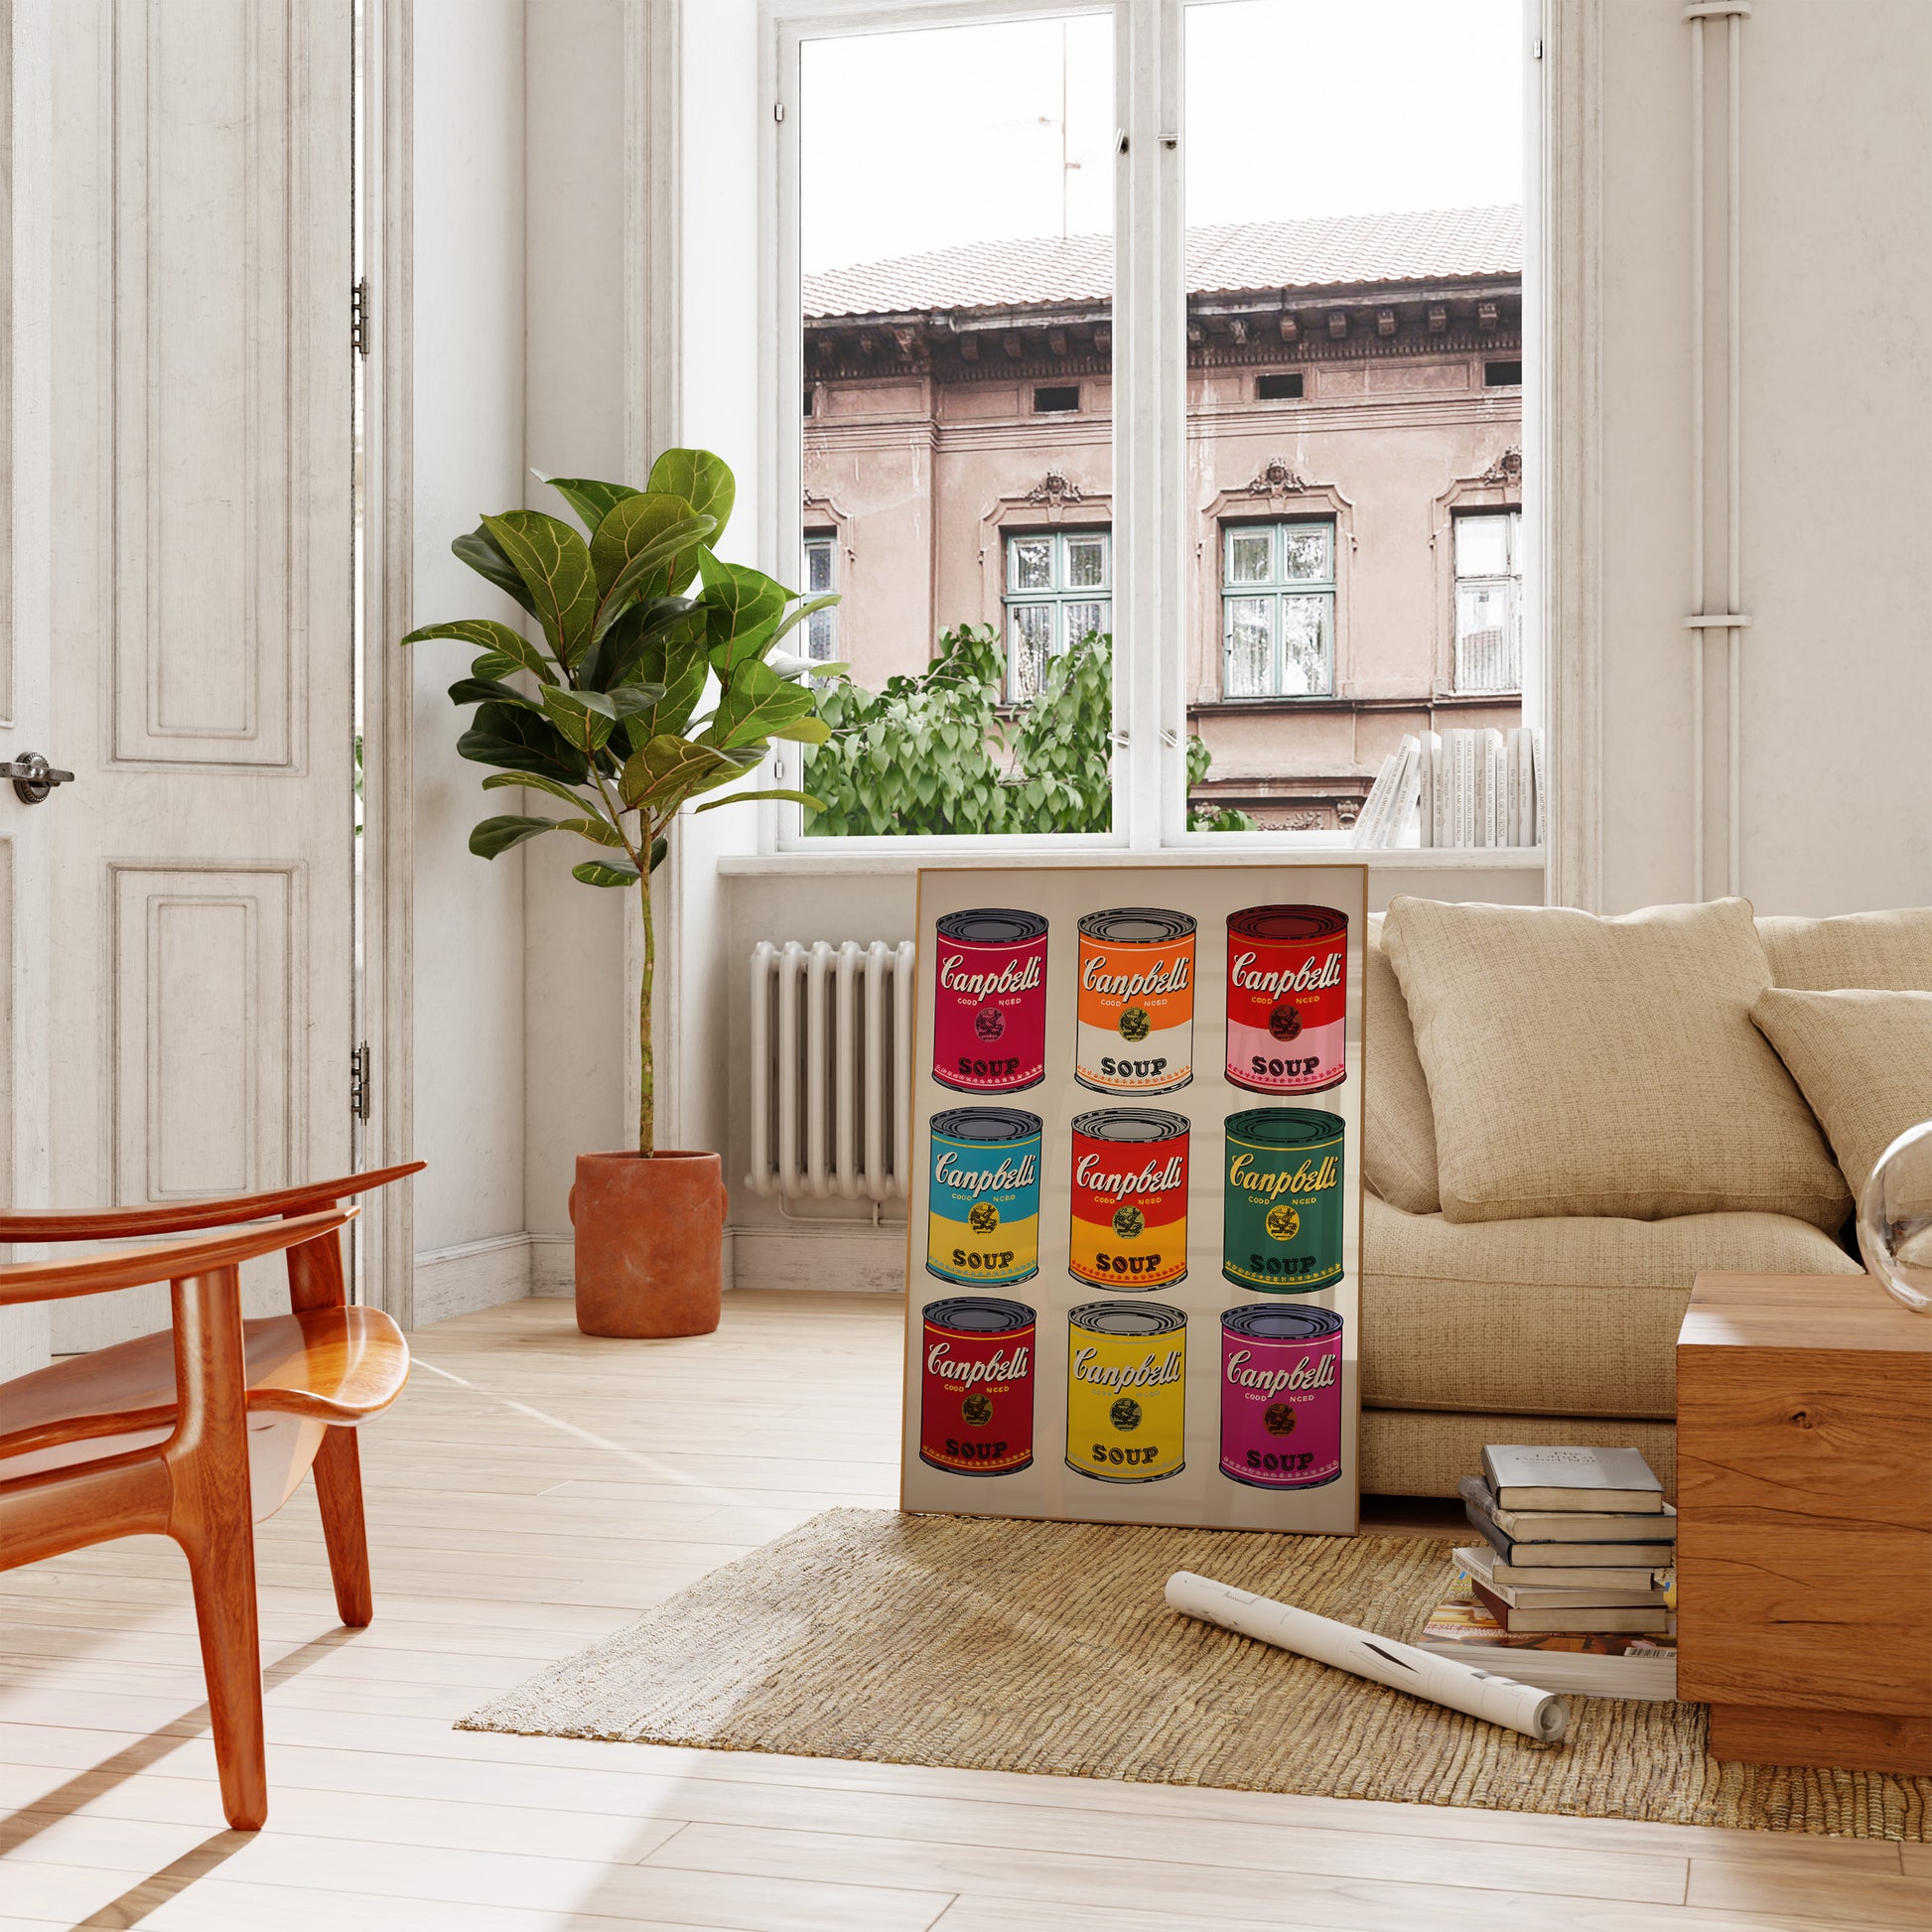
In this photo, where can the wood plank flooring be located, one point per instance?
(531, 1492)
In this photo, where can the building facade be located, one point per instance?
(1355, 483)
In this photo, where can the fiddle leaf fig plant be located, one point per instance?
(642, 625)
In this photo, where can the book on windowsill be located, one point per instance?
(1573, 1476)
(1567, 1525)
(1638, 1666)
(1482, 1563)
(1570, 1555)
(1655, 1620)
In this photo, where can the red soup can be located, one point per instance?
(1129, 1225)
(976, 1401)
(1288, 997)
(989, 1001)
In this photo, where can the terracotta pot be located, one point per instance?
(650, 1242)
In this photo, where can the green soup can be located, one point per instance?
(1283, 1200)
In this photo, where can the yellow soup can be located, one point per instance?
(1126, 1378)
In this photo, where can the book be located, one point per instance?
(1370, 815)
(1569, 1556)
(1540, 1596)
(1429, 756)
(1578, 1618)
(1462, 787)
(1639, 1666)
(1536, 793)
(1482, 1563)
(1568, 1525)
(1403, 823)
(1583, 1476)
(1494, 787)
(1523, 795)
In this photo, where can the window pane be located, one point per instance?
(1482, 546)
(1251, 648)
(1308, 553)
(956, 246)
(1384, 276)
(818, 567)
(1250, 556)
(821, 636)
(1488, 654)
(1087, 563)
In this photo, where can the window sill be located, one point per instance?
(880, 860)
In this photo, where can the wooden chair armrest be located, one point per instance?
(56, 1280)
(183, 1218)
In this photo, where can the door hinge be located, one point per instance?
(359, 1082)
(358, 317)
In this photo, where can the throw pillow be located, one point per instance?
(1864, 1061)
(1398, 1129)
(1586, 1065)
(1874, 949)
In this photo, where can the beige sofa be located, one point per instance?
(1559, 1328)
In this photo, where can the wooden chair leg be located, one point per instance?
(338, 1489)
(222, 1568)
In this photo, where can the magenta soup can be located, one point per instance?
(989, 1001)
(1281, 1396)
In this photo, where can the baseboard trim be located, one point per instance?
(473, 1275)
(868, 1261)
(553, 1264)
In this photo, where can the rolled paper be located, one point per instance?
(1382, 1660)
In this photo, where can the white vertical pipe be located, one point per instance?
(789, 962)
(1698, 654)
(845, 1074)
(904, 993)
(879, 1087)
(760, 1178)
(1733, 477)
(818, 1057)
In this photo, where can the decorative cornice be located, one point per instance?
(1275, 479)
(1054, 488)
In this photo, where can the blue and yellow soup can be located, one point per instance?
(983, 1207)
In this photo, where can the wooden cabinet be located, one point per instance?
(1804, 1473)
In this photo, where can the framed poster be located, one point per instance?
(1133, 1257)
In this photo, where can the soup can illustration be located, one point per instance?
(1280, 1395)
(1136, 1003)
(989, 1001)
(1282, 1201)
(1129, 1224)
(1288, 996)
(976, 1399)
(1126, 1377)
(982, 1208)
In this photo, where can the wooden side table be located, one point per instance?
(1804, 1536)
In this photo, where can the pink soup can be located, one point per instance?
(989, 1001)
(1281, 1396)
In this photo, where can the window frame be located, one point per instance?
(1059, 596)
(1153, 526)
(819, 537)
(1509, 580)
(1275, 590)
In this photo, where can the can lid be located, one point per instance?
(1133, 1124)
(1285, 1127)
(1268, 1322)
(991, 925)
(1288, 922)
(979, 1314)
(988, 1126)
(1137, 925)
(1129, 1318)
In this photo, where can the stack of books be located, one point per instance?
(1574, 1573)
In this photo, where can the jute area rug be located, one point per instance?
(1047, 1647)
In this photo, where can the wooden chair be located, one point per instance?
(198, 1432)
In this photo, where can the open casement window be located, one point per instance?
(1488, 602)
(1278, 608)
(1059, 587)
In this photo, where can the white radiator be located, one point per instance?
(831, 1069)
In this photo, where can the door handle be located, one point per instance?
(33, 776)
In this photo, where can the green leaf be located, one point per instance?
(593, 502)
(496, 835)
(485, 690)
(599, 830)
(585, 718)
(668, 769)
(646, 574)
(746, 798)
(478, 549)
(536, 781)
(606, 872)
(804, 730)
(754, 705)
(554, 563)
(633, 526)
(659, 847)
(704, 481)
(522, 741)
(496, 639)
(742, 610)
(797, 617)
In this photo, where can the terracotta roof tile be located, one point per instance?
(1429, 245)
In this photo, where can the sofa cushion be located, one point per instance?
(1586, 1065)
(1428, 1451)
(1562, 1316)
(1863, 1061)
(1879, 949)
(1398, 1129)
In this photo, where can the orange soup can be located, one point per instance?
(1136, 1002)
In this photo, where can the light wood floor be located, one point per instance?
(532, 1491)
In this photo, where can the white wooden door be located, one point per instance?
(201, 1005)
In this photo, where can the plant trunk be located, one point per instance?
(646, 1066)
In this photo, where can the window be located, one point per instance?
(821, 575)
(1278, 608)
(1058, 592)
(807, 410)
(1057, 400)
(1502, 375)
(1278, 388)
(1488, 602)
